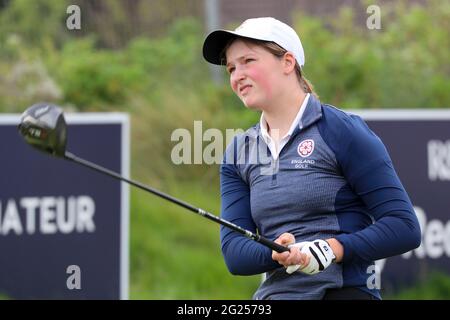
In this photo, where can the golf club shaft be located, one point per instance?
(272, 245)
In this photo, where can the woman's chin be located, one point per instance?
(251, 105)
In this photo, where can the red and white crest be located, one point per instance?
(305, 148)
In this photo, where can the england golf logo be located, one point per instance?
(305, 148)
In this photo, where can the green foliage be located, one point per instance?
(94, 79)
(402, 65)
(437, 287)
(35, 21)
(350, 66)
(24, 77)
(176, 254)
(91, 78)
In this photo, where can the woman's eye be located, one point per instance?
(249, 60)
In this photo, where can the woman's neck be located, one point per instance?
(280, 115)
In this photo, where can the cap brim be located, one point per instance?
(214, 44)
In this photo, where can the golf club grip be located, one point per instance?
(272, 245)
(264, 241)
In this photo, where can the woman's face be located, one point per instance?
(255, 74)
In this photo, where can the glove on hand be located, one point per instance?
(320, 256)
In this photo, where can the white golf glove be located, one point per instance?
(320, 256)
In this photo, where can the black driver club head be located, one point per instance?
(43, 126)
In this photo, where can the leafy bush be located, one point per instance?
(403, 65)
(175, 254)
(437, 287)
(35, 21)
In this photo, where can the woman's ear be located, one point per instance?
(288, 62)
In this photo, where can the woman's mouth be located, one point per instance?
(244, 89)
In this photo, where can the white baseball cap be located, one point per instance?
(266, 29)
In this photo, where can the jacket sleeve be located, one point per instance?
(242, 255)
(367, 167)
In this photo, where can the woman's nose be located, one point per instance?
(238, 75)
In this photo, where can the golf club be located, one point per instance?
(43, 126)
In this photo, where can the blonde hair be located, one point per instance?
(278, 52)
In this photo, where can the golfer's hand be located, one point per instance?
(292, 257)
(320, 256)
